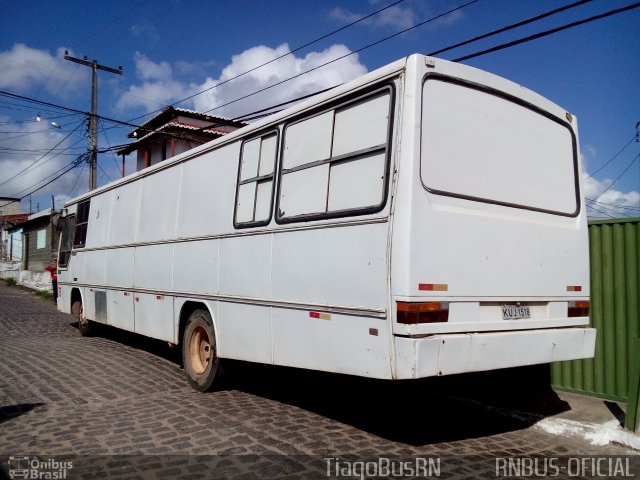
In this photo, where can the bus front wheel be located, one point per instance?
(199, 354)
(84, 324)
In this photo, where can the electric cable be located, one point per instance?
(284, 55)
(611, 159)
(625, 207)
(345, 56)
(21, 172)
(547, 32)
(510, 27)
(619, 176)
(600, 211)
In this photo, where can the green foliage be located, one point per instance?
(9, 281)
(45, 295)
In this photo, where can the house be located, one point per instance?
(40, 240)
(9, 206)
(10, 216)
(11, 237)
(174, 131)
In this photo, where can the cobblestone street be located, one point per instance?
(117, 394)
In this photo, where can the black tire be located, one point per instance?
(85, 326)
(199, 352)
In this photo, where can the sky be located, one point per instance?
(170, 50)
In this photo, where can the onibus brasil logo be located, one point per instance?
(37, 468)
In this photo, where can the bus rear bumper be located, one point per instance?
(472, 352)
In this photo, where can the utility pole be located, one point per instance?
(93, 117)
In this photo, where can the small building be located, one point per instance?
(174, 131)
(9, 206)
(11, 236)
(40, 240)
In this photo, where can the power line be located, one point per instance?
(547, 32)
(72, 165)
(283, 55)
(600, 211)
(510, 27)
(21, 172)
(619, 176)
(104, 132)
(624, 207)
(612, 158)
(345, 56)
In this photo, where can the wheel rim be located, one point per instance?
(199, 350)
(78, 314)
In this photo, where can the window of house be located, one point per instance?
(255, 181)
(335, 163)
(41, 238)
(82, 220)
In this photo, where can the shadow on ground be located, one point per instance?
(155, 347)
(415, 412)
(13, 411)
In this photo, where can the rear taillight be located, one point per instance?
(425, 312)
(579, 309)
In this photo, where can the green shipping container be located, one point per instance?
(614, 372)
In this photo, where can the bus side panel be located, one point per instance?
(154, 316)
(99, 220)
(244, 332)
(342, 266)
(93, 274)
(124, 214)
(158, 204)
(245, 266)
(207, 193)
(153, 271)
(120, 274)
(332, 267)
(195, 267)
(332, 343)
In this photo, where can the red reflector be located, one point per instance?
(433, 287)
(427, 312)
(579, 309)
(574, 288)
(314, 314)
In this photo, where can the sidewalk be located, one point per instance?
(596, 420)
(524, 395)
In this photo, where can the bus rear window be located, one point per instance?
(485, 146)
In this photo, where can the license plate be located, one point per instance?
(514, 312)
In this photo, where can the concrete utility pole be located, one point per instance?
(93, 118)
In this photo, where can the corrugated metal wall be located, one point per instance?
(615, 293)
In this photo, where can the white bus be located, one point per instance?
(425, 219)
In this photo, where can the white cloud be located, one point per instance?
(28, 143)
(397, 17)
(158, 87)
(161, 87)
(602, 200)
(23, 68)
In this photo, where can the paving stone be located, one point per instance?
(120, 394)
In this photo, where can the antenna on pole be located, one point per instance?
(93, 116)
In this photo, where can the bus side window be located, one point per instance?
(255, 181)
(68, 227)
(82, 221)
(335, 163)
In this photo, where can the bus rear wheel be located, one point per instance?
(84, 324)
(199, 353)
